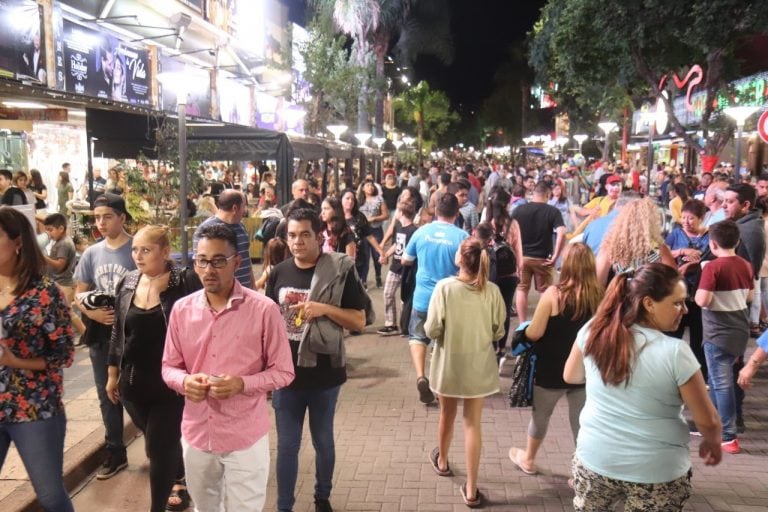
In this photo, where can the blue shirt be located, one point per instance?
(434, 246)
(762, 341)
(637, 432)
(596, 230)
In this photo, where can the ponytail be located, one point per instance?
(483, 270)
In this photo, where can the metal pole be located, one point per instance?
(650, 155)
(737, 166)
(184, 182)
(90, 171)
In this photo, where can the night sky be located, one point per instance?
(482, 31)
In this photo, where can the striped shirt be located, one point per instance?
(726, 319)
(243, 272)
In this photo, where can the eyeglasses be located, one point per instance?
(217, 262)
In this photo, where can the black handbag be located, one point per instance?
(523, 371)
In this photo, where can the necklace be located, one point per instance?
(150, 281)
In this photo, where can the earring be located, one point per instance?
(18, 251)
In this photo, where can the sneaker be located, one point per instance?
(425, 394)
(112, 466)
(731, 446)
(322, 505)
(388, 330)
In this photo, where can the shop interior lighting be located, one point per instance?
(24, 104)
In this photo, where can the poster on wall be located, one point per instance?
(197, 81)
(234, 102)
(98, 64)
(266, 111)
(22, 52)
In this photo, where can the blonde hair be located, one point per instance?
(475, 260)
(154, 234)
(634, 235)
(578, 284)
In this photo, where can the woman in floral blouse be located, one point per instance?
(35, 347)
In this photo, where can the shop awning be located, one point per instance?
(120, 134)
(308, 148)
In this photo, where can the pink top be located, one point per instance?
(247, 338)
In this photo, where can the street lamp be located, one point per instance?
(580, 138)
(398, 144)
(337, 130)
(179, 83)
(379, 141)
(607, 127)
(362, 137)
(740, 115)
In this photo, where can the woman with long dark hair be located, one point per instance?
(40, 190)
(35, 347)
(507, 247)
(337, 237)
(361, 229)
(463, 362)
(143, 303)
(633, 439)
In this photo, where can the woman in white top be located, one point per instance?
(637, 379)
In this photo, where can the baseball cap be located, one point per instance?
(113, 201)
(613, 178)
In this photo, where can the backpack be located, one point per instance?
(506, 263)
(267, 230)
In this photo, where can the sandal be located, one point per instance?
(471, 501)
(433, 459)
(513, 453)
(178, 494)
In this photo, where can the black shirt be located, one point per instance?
(360, 228)
(402, 236)
(537, 221)
(40, 203)
(14, 196)
(554, 347)
(288, 285)
(390, 196)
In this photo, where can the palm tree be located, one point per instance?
(430, 110)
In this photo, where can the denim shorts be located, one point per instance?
(416, 329)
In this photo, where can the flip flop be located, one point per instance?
(471, 501)
(513, 457)
(433, 459)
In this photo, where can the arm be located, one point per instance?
(351, 319)
(351, 250)
(558, 245)
(574, 372)
(666, 256)
(103, 316)
(603, 264)
(434, 326)
(390, 229)
(750, 368)
(58, 264)
(703, 298)
(706, 418)
(375, 244)
(384, 215)
(515, 241)
(544, 308)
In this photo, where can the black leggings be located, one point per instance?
(507, 287)
(160, 422)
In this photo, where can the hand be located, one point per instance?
(691, 255)
(746, 374)
(225, 387)
(7, 358)
(710, 453)
(549, 262)
(196, 387)
(383, 260)
(112, 393)
(104, 316)
(310, 309)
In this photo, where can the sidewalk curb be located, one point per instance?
(80, 461)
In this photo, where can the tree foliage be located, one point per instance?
(606, 54)
(425, 109)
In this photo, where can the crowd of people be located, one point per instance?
(195, 354)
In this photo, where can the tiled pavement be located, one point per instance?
(384, 435)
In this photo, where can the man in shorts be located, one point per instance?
(536, 222)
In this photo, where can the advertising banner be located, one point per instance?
(22, 53)
(98, 64)
(197, 82)
(235, 102)
(266, 111)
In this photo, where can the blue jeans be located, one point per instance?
(41, 447)
(721, 388)
(290, 406)
(111, 414)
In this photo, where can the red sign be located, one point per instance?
(762, 126)
(33, 114)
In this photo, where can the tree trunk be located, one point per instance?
(380, 49)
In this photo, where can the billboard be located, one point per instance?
(100, 65)
(197, 81)
(22, 51)
(234, 102)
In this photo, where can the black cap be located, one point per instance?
(113, 201)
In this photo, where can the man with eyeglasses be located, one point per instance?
(232, 207)
(226, 348)
(319, 295)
